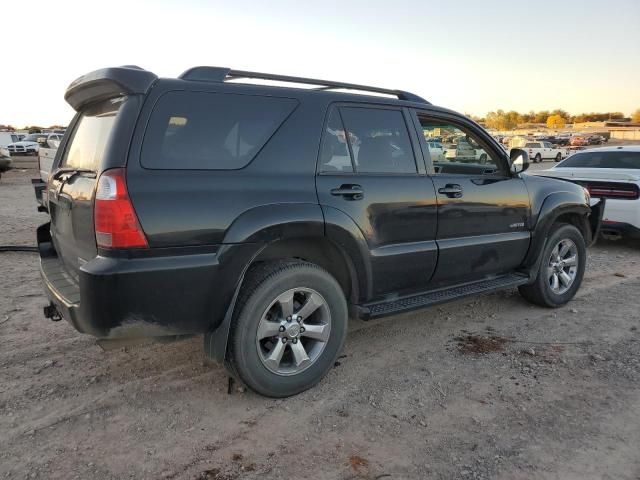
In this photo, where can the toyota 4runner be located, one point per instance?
(264, 216)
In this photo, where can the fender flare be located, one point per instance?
(268, 223)
(342, 230)
(553, 206)
(277, 222)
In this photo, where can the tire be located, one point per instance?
(483, 158)
(558, 157)
(270, 291)
(538, 158)
(541, 291)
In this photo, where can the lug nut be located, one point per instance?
(284, 340)
(299, 319)
(295, 340)
(281, 328)
(301, 329)
(289, 318)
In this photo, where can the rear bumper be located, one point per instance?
(143, 297)
(39, 187)
(625, 230)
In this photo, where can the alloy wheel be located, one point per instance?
(293, 331)
(563, 266)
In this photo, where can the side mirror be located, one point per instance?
(519, 160)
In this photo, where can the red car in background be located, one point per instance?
(579, 141)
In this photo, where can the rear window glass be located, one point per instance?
(90, 136)
(211, 131)
(379, 140)
(602, 160)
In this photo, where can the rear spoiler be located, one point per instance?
(108, 83)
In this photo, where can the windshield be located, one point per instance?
(33, 137)
(602, 160)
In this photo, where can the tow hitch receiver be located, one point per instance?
(50, 311)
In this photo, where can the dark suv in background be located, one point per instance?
(262, 216)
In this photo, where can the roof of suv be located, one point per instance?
(107, 82)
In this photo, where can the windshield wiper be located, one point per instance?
(73, 171)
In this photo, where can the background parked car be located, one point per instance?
(47, 153)
(436, 150)
(539, 151)
(579, 141)
(30, 144)
(7, 138)
(612, 173)
(596, 140)
(563, 139)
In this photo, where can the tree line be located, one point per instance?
(498, 120)
(31, 128)
(501, 120)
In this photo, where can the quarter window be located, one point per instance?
(334, 153)
(211, 131)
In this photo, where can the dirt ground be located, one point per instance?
(488, 387)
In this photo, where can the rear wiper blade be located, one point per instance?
(73, 171)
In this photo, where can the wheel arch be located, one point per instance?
(563, 207)
(320, 251)
(298, 232)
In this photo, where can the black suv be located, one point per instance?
(263, 216)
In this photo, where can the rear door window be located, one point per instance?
(90, 135)
(211, 131)
(379, 140)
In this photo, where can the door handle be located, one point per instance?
(349, 191)
(451, 190)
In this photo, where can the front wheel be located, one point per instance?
(538, 158)
(290, 326)
(561, 270)
(558, 157)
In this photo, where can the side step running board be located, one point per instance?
(381, 309)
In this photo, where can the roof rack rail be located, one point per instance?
(220, 74)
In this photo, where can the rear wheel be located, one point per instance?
(538, 158)
(483, 158)
(290, 326)
(561, 270)
(558, 157)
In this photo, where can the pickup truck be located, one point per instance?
(48, 146)
(464, 151)
(539, 151)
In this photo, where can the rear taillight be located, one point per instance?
(115, 219)
(622, 191)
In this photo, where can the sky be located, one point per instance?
(470, 56)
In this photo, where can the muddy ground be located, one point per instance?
(488, 387)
